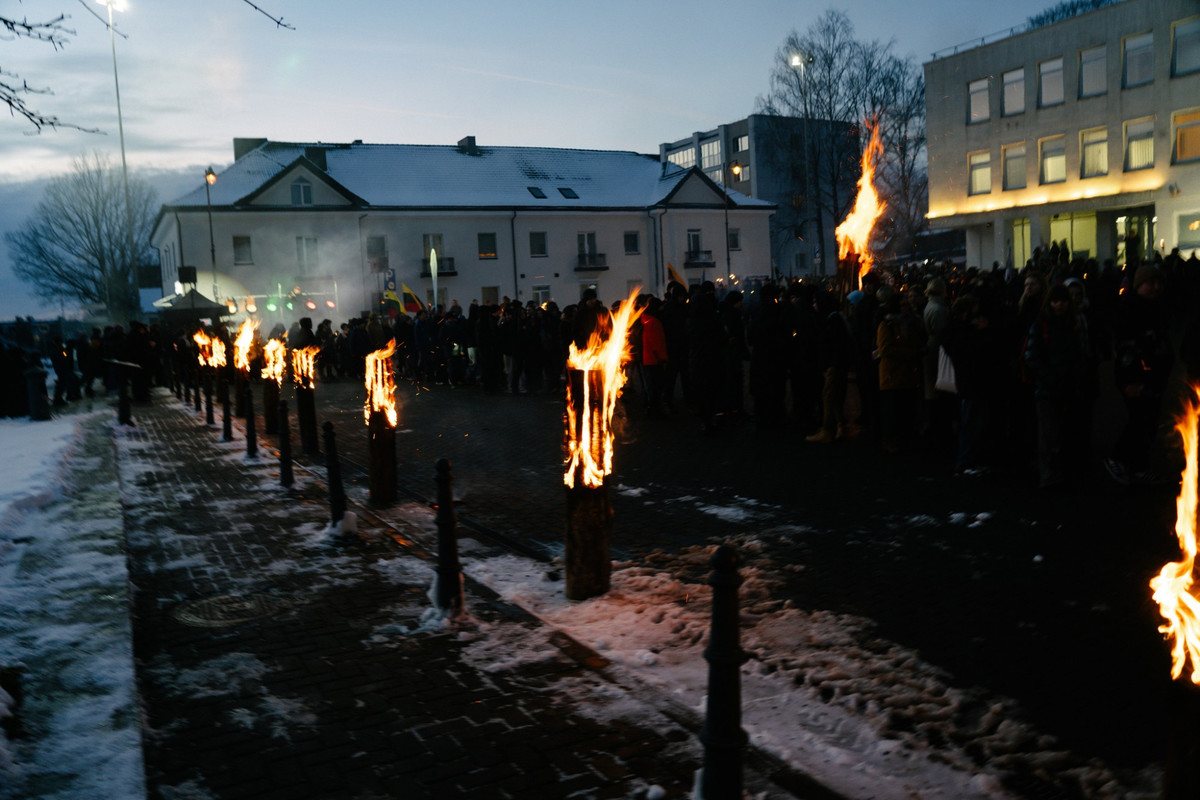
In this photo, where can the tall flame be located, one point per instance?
(274, 360)
(217, 359)
(1174, 589)
(854, 234)
(304, 366)
(381, 384)
(242, 344)
(204, 343)
(590, 441)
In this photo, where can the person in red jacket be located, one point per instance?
(654, 355)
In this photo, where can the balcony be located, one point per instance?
(698, 259)
(445, 267)
(590, 261)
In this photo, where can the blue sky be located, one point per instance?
(620, 75)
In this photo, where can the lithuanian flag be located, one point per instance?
(672, 275)
(409, 302)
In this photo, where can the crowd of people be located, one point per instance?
(992, 369)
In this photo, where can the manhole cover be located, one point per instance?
(227, 609)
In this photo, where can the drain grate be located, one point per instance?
(226, 609)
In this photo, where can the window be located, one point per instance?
(710, 155)
(632, 245)
(568, 192)
(693, 241)
(977, 92)
(306, 255)
(741, 144)
(1053, 157)
(1187, 136)
(431, 243)
(1093, 72)
(1139, 144)
(979, 167)
(1013, 97)
(1189, 231)
(1139, 60)
(1093, 150)
(735, 239)
(743, 174)
(683, 158)
(487, 245)
(301, 192)
(1185, 53)
(541, 294)
(588, 257)
(537, 244)
(241, 250)
(377, 260)
(1014, 167)
(536, 192)
(1050, 82)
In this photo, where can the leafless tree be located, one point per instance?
(1066, 10)
(15, 91)
(75, 244)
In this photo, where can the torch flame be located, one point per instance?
(854, 234)
(304, 366)
(241, 345)
(217, 359)
(381, 384)
(275, 360)
(1173, 586)
(204, 342)
(590, 445)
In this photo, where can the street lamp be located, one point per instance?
(736, 169)
(112, 37)
(802, 61)
(210, 178)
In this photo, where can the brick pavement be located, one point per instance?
(277, 661)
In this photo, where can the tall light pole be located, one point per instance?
(736, 169)
(112, 37)
(802, 61)
(210, 178)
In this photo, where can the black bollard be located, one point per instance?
(722, 735)
(449, 571)
(208, 396)
(337, 493)
(381, 451)
(226, 419)
(286, 478)
(270, 392)
(176, 382)
(124, 413)
(306, 419)
(196, 386)
(35, 387)
(589, 511)
(251, 434)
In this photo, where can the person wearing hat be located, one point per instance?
(1144, 357)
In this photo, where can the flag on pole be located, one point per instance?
(672, 275)
(409, 301)
(391, 302)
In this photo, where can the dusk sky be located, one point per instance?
(618, 75)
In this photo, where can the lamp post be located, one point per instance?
(112, 36)
(210, 178)
(736, 169)
(802, 61)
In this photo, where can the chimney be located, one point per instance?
(317, 156)
(243, 146)
(467, 145)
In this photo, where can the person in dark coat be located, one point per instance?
(706, 345)
(835, 347)
(976, 346)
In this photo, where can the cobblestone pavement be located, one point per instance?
(276, 660)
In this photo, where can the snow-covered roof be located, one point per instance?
(464, 176)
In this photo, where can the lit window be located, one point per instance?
(741, 144)
(977, 91)
(1093, 68)
(1014, 167)
(1053, 160)
(683, 158)
(537, 244)
(1139, 144)
(301, 192)
(1050, 82)
(1187, 136)
(1013, 96)
(710, 155)
(1093, 148)
(632, 243)
(487, 245)
(980, 168)
(1139, 59)
(1185, 56)
(241, 250)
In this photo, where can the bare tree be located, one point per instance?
(15, 91)
(898, 108)
(74, 243)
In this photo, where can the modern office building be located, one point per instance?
(1085, 131)
(339, 222)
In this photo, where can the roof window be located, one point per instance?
(568, 192)
(536, 192)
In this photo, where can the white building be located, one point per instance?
(1087, 131)
(337, 221)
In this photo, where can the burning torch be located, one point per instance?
(304, 378)
(380, 414)
(274, 365)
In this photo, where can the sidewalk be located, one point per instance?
(276, 660)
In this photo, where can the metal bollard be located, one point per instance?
(722, 735)
(251, 434)
(226, 419)
(306, 420)
(337, 493)
(381, 453)
(286, 478)
(449, 571)
(208, 396)
(196, 386)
